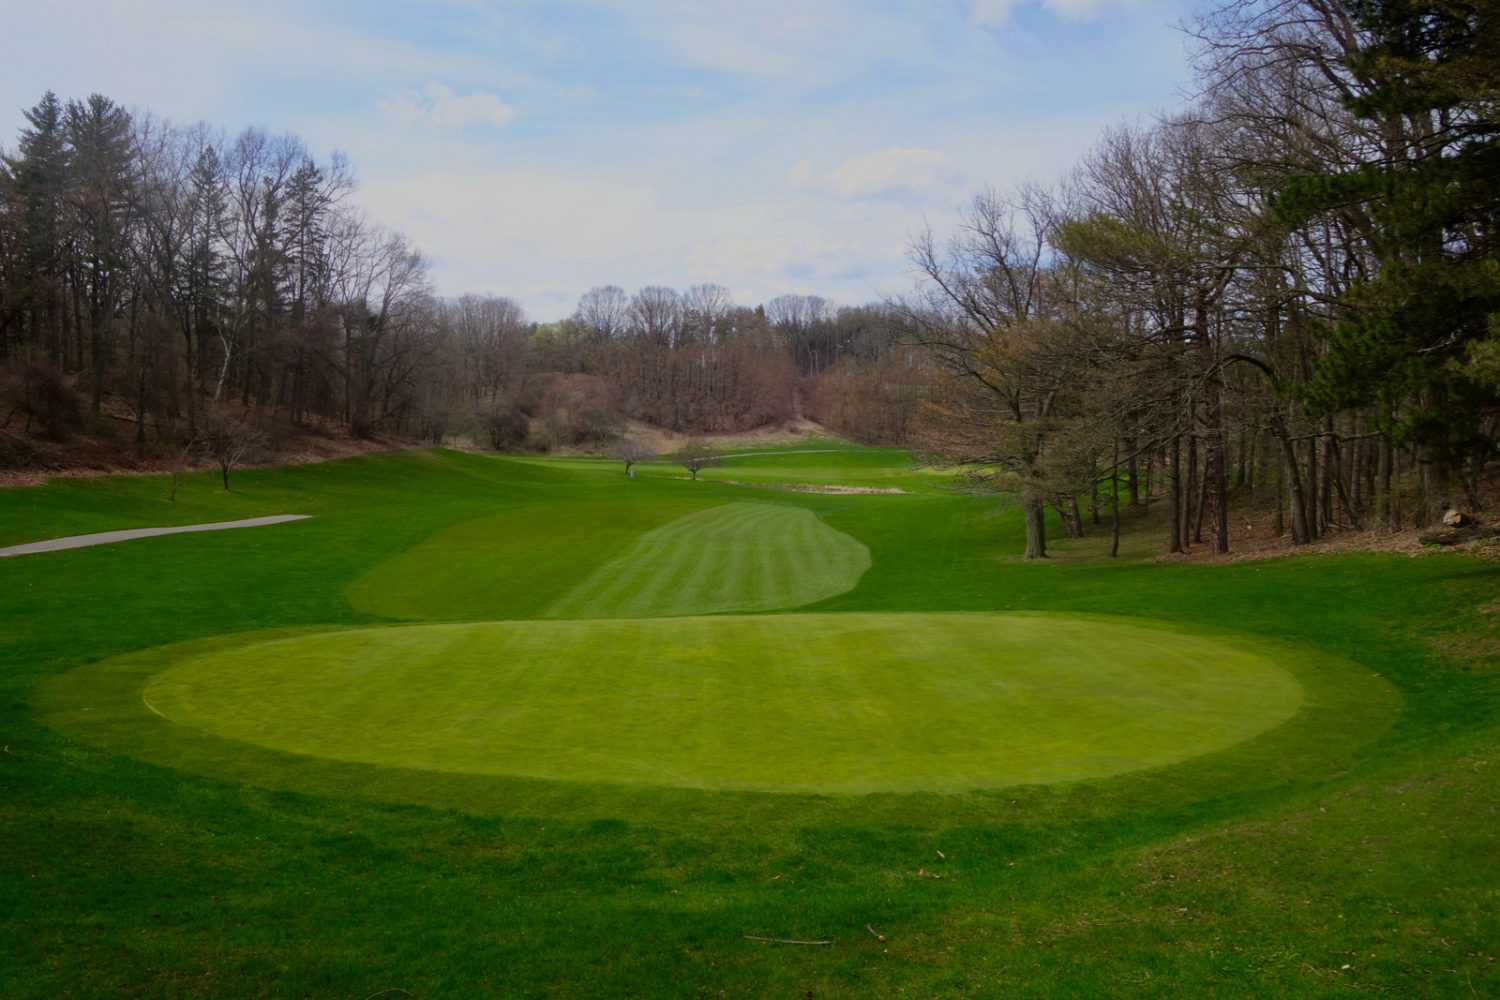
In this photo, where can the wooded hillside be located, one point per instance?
(1291, 281)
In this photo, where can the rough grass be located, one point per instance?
(1352, 847)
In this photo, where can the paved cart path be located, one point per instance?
(105, 537)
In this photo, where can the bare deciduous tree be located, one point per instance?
(604, 311)
(981, 294)
(630, 451)
(230, 439)
(656, 315)
(696, 456)
(704, 309)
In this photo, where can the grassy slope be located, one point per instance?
(1333, 855)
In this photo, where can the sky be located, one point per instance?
(536, 150)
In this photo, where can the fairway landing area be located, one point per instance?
(851, 703)
(107, 537)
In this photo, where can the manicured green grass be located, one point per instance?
(511, 565)
(1353, 846)
(734, 557)
(815, 462)
(809, 703)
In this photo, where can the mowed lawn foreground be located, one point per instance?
(308, 811)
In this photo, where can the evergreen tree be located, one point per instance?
(100, 196)
(1431, 73)
(39, 183)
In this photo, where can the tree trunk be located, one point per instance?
(1215, 473)
(1433, 469)
(1278, 522)
(1192, 532)
(1326, 483)
(1310, 508)
(1383, 464)
(1174, 496)
(1114, 501)
(1357, 462)
(1034, 512)
(1296, 500)
(1337, 467)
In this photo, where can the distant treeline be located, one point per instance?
(149, 272)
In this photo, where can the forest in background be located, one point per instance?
(169, 278)
(1292, 279)
(1289, 283)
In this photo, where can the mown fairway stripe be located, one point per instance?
(512, 564)
(735, 557)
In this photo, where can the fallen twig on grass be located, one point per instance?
(393, 989)
(752, 937)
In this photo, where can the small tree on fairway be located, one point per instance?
(696, 455)
(630, 451)
(231, 439)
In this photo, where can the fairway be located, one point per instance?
(805, 703)
(628, 558)
(734, 557)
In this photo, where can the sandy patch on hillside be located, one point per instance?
(814, 487)
(664, 442)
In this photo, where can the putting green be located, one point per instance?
(809, 703)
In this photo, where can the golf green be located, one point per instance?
(806, 703)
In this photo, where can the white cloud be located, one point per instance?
(900, 172)
(890, 170)
(992, 13)
(995, 13)
(770, 38)
(442, 108)
(545, 239)
(773, 261)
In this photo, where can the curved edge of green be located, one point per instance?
(1345, 712)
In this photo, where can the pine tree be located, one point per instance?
(40, 181)
(1431, 73)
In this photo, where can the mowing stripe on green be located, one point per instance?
(734, 557)
(804, 703)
